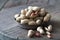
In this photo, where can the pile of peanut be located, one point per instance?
(33, 15)
(39, 32)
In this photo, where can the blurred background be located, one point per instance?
(43, 3)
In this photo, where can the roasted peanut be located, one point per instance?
(30, 33)
(48, 33)
(42, 12)
(47, 18)
(38, 22)
(32, 23)
(24, 21)
(16, 15)
(33, 15)
(40, 30)
(29, 7)
(22, 16)
(49, 28)
(40, 18)
(35, 8)
(50, 36)
(26, 9)
(29, 13)
(18, 19)
(23, 12)
(37, 34)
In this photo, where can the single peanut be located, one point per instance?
(38, 22)
(30, 33)
(16, 15)
(47, 18)
(32, 23)
(29, 13)
(40, 30)
(24, 21)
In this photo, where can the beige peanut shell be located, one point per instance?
(30, 33)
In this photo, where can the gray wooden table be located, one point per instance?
(10, 30)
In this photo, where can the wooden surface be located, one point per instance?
(10, 30)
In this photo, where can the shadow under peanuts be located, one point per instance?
(56, 29)
(56, 26)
